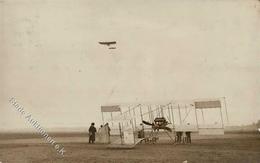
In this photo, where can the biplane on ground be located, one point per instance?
(178, 119)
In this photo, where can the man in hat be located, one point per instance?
(92, 131)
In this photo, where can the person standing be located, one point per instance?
(189, 136)
(99, 134)
(107, 130)
(141, 131)
(92, 131)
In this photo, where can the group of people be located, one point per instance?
(183, 137)
(103, 133)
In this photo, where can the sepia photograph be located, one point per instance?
(130, 81)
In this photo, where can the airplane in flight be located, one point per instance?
(108, 43)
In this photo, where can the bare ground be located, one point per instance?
(232, 147)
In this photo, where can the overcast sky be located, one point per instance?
(52, 64)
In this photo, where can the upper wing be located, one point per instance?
(107, 43)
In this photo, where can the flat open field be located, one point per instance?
(232, 147)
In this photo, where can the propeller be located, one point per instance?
(147, 123)
(168, 129)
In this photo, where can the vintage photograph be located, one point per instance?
(130, 81)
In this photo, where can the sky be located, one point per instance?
(52, 64)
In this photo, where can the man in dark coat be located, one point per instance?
(92, 131)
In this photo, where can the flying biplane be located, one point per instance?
(108, 43)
